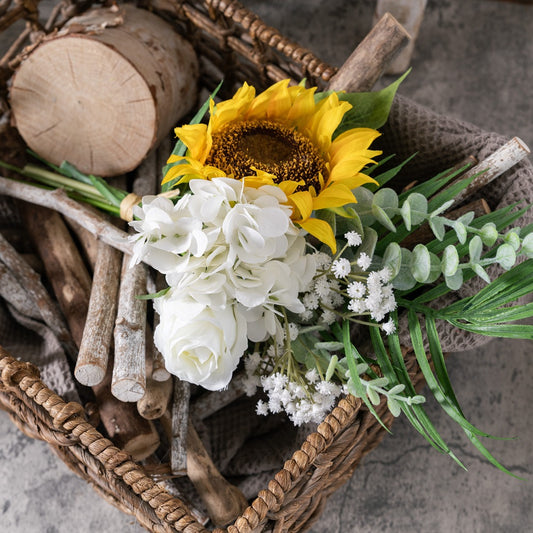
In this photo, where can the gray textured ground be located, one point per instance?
(473, 60)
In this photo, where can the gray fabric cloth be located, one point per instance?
(244, 444)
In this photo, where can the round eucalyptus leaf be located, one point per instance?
(442, 208)
(437, 227)
(435, 268)
(419, 207)
(450, 260)
(506, 256)
(475, 247)
(386, 198)
(373, 396)
(420, 263)
(394, 407)
(489, 234)
(392, 259)
(404, 279)
(397, 389)
(527, 245)
(405, 211)
(460, 230)
(467, 218)
(512, 239)
(383, 218)
(455, 281)
(480, 271)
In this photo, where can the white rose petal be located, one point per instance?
(200, 345)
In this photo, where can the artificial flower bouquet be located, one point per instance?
(283, 245)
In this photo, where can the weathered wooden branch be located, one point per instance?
(180, 423)
(125, 427)
(224, 501)
(159, 371)
(63, 264)
(27, 279)
(409, 13)
(58, 200)
(494, 166)
(129, 372)
(155, 401)
(98, 332)
(367, 62)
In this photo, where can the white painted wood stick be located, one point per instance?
(129, 372)
(494, 166)
(211, 402)
(58, 200)
(98, 332)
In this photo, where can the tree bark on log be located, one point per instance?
(105, 90)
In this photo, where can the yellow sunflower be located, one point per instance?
(281, 137)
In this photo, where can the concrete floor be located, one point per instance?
(473, 60)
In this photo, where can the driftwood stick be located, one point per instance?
(224, 501)
(63, 264)
(423, 234)
(88, 242)
(125, 427)
(180, 423)
(211, 402)
(367, 62)
(494, 166)
(159, 371)
(22, 274)
(98, 332)
(409, 14)
(58, 200)
(155, 401)
(13, 292)
(129, 372)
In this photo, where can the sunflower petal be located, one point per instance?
(321, 230)
(303, 202)
(194, 137)
(335, 195)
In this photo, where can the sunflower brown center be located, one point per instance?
(267, 146)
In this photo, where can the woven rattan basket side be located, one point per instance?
(291, 502)
(236, 45)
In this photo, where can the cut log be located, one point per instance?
(103, 91)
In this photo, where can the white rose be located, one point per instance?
(200, 345)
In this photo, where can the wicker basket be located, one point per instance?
(235, 44)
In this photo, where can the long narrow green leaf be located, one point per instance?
(506, 331)
(439, 394)
(432, 435)
(476, 442)
(386, 176)
(409, 411)
(350, 350)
